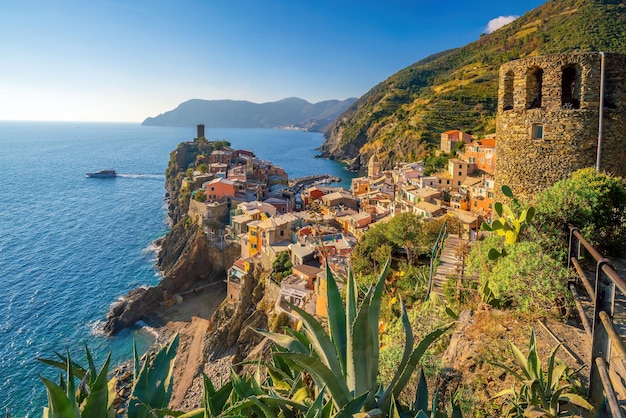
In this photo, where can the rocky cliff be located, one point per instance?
(185, 259)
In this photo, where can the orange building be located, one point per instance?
(482, 153)
(220, 189)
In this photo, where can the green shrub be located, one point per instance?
(594, 202)
(528, 279)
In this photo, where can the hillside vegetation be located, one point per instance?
(457, 89)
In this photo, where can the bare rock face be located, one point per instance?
(186, 250)
(235, 329)
(132, 308)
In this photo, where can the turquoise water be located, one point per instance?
(70, 246)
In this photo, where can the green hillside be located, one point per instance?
(457, 89)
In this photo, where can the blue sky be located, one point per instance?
(125, 60)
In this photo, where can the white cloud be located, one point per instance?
(498, 22)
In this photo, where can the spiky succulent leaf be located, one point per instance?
(323, 377)
(97, 403)
(416, 355)
(576, 400)
(320, 341)
(287, 342)
(421, 395)
(152, 387)
(59, 405)
(336, 318)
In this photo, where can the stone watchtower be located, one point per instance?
(548, 122)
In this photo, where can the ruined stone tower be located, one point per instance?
(548, 119)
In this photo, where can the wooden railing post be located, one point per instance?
(601, 343)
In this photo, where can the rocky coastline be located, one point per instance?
(189, 299)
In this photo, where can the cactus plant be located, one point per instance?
(510, 222)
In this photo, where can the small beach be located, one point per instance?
(191, 320)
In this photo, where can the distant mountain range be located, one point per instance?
(291, 112)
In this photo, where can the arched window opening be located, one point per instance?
(534, 82)
(570, 88)
(507, 100)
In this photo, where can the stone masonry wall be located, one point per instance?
(532, 159)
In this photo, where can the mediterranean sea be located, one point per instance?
(70, 246)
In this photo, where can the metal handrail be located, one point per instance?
(603, 334)
(443, 233)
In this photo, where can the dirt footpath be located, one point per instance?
(191, 320)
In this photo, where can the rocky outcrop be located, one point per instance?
(233, 328)
(187, 263)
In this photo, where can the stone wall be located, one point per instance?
(201, 212)
(548, 119)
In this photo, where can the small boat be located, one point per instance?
(102, 174)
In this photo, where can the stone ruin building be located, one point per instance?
(548, 121)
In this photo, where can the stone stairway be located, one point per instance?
(449, 262)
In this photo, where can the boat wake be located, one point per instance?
(143, 176)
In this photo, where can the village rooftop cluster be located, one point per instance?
(307, 223)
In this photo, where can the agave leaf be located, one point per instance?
(521, 360)
(534, 363)
(434, 406)
(196, 413)
(97, 403)
(112, 389)
(285, 341)
(416, 355)
(530, 214)
(576, 400)
(408, 348)
(503, 392)
(421, 395)
(554, 376)
(320, 341)
(485, 226)
(536, 411)
(421, 414)
(506, 190)
(300, 337)
(456, 410)
(323, 377)
(352, 407)
(59, 405)
(71, 385)
(336, 318)
(152, 387)
(351, 312)
(79, 371)
(316, 410)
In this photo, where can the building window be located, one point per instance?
(507, 99)
(459, 183)
(570, 87)
(460, 173)
(537, 131)
(212, 188)
(534, 85)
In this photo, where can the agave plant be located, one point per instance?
(94, 396)
(344, 364)
(541, 393)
